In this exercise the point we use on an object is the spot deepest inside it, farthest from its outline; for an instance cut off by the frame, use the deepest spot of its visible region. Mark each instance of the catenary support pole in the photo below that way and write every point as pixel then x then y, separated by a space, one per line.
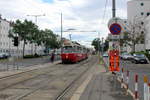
pixel 113 8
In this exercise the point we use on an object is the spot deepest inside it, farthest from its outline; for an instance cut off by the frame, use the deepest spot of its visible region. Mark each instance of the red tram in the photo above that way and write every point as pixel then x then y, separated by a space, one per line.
pixel 73 52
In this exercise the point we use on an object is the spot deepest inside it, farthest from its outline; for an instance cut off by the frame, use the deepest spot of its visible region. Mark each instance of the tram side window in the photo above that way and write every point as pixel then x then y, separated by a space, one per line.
pixel 79 50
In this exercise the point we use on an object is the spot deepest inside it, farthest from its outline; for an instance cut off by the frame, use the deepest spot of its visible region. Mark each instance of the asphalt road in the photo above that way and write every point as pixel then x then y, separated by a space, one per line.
pixel 13 65
pixel 139 69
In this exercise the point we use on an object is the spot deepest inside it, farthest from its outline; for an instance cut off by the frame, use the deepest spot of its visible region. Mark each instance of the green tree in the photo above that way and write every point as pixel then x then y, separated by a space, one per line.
pixel 96 43
pixel 131 39
pixel 49 39
pixel 24 30
pixel 106 45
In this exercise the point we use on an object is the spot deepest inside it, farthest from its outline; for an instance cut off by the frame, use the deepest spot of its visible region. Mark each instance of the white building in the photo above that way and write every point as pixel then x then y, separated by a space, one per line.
pixel 137 12
pixel 6 43
pixel 138 9
pixel 147 27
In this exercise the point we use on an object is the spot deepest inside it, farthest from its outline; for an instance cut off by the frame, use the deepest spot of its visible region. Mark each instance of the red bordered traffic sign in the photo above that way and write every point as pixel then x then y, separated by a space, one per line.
pixel 115 29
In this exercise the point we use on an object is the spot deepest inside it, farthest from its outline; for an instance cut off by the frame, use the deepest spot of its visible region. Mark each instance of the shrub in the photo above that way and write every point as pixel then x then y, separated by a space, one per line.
pixel 31 56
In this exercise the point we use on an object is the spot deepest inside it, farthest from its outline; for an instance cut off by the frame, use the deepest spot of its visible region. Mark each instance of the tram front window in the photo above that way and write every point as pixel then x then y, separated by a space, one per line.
pixel 68 49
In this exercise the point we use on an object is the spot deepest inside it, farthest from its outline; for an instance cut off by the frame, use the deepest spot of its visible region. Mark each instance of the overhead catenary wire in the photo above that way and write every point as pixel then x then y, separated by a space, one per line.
pixel 104 13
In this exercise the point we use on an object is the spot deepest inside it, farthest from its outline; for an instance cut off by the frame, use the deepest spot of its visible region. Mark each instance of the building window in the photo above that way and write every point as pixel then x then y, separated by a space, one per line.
pixel 125 21
pixel 142 32
pixel 142 23
pixel 148 13
pixel 142 4
pixel 142 13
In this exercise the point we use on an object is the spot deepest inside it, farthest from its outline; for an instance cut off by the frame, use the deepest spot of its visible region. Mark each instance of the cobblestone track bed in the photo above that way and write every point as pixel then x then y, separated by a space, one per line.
pixel 41 80
pixel 21 77
pixel 66 89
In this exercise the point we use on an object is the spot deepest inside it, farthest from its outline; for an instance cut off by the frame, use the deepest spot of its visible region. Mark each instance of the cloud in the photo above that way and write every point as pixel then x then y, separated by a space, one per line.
pixel 78 14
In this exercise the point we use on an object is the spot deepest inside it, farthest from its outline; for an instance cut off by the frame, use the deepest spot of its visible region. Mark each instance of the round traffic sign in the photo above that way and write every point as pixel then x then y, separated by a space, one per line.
pixel 115 29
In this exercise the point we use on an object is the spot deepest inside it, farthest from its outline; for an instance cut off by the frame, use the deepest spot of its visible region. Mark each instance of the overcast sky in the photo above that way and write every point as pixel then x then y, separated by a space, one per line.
pixel 86 15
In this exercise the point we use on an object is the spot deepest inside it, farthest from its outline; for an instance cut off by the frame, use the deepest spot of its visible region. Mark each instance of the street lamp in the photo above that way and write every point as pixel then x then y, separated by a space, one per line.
pixel 36 16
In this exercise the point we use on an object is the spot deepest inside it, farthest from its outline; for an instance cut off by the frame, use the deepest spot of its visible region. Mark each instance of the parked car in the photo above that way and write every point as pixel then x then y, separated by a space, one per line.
pixel 127 56
pixel 139 58
pixel 105 55
pixel 1 55
pixel 4 55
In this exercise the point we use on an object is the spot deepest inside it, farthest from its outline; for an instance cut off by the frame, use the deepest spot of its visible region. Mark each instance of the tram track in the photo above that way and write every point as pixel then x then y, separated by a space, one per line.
pixel 42 85
pixel 61 95
pixel 54 78
pixel 24 76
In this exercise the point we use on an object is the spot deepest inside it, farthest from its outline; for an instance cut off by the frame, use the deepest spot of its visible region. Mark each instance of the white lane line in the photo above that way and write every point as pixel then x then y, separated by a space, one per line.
pixel 80 90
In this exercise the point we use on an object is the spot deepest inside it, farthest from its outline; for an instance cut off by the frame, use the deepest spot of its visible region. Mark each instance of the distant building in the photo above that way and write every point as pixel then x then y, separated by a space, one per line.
pixel 6 43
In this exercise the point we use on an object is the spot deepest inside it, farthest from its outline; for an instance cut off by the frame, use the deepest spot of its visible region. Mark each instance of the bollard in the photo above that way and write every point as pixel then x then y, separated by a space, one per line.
pixel 145 88
pixel 122 78
pixel 127 81
pixel 148 91
pixel 136 87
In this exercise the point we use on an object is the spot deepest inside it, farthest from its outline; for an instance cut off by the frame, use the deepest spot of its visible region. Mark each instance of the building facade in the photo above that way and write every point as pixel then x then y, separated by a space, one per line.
pixel 147 27
pixel 137 13
pixel 7 46
pixel 137 9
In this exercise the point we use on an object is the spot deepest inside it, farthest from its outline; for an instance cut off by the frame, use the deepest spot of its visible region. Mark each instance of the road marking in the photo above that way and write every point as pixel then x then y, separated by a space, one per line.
pixel 80 90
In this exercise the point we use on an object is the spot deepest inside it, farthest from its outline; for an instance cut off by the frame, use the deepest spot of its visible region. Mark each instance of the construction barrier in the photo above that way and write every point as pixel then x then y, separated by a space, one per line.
pixel 114 60
pixel 122 78
pixel 136 84
pixel 136 87
pixel 127 80
pixel 146 92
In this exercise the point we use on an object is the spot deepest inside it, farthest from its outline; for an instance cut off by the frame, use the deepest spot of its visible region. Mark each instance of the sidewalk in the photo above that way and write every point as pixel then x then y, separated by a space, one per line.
pixel 102 86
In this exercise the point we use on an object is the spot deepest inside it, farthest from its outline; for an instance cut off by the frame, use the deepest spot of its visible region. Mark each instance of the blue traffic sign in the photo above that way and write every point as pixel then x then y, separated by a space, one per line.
pixel 115 29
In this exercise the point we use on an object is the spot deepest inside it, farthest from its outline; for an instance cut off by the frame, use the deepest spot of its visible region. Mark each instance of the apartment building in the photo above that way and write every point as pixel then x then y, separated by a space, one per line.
pixel 137 13
pixel 6 43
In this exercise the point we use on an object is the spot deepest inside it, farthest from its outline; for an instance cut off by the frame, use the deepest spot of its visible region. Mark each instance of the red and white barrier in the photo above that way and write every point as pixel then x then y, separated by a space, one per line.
pixel 127 78
pixel 146 93
pixel 136 87
pixel 122 78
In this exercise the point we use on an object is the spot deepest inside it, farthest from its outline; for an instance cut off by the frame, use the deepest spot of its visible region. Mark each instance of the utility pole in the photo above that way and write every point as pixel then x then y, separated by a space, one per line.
pixel 113 8
pixel 61 34
pixel 98 44
pixel 36 16
pixel 102 45
pixel 70 37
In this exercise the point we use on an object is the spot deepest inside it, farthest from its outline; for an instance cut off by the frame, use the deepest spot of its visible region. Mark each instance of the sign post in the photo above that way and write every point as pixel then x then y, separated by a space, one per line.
pixel 114 59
